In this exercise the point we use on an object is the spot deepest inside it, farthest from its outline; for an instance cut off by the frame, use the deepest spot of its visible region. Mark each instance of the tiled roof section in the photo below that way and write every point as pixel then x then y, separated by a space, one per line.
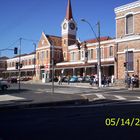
pixel 101 39
pixel 69 11
pixel 24 54
pixel 54 40
pixel 4 58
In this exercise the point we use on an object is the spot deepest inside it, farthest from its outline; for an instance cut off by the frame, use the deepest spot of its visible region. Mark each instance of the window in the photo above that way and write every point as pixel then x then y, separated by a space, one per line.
pixel 129 24
pixel 129 59
pixel 82 55
pixel 91 54
pixel 110 51
pixel 97 52
pixel 47 54
pixel 79 55
pixel 29 61
pixel 42 55
pixel 37 55
pixel 102 53
pixel 64 55
pixel 73 56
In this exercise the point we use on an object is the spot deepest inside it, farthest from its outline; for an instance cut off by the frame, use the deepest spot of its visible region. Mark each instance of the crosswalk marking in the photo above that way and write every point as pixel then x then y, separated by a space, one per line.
pixel 120 97
pixel 9 98
pixel 138 98
pixel 100 96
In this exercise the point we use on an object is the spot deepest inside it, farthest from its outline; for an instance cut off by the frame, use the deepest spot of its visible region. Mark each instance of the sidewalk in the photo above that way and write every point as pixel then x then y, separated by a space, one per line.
pixel 80 85
pixel 12 99
pixel 27 99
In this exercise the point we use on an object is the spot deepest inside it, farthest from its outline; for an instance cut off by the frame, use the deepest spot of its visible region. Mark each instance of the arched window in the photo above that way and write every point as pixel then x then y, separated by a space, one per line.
pixel 129 24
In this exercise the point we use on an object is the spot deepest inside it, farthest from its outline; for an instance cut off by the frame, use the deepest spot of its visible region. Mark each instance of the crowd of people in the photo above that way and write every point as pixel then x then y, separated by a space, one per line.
pixel 132 81
pixel 106 80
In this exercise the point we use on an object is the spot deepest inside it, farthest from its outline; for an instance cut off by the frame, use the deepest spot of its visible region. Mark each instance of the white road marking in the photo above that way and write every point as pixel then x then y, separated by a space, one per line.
pixel 137 100
pixel 120 97
pixel 9 97
pixel 100 96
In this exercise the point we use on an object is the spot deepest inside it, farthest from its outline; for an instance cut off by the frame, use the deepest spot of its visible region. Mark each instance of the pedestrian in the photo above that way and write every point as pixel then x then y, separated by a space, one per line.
pixel 133 81
pixel 68 79
pixel 128 81
pixel 112 79
pixel 91 80
pixel 59 80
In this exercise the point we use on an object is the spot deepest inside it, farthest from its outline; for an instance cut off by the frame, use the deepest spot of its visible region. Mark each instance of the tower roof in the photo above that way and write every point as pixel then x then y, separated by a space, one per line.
pixel 69 11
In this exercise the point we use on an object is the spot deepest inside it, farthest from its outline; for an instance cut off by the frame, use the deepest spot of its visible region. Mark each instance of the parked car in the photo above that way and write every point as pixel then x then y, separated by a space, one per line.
pixel 86 79
pixel 4 84
pixel 73 79
pixel 12 79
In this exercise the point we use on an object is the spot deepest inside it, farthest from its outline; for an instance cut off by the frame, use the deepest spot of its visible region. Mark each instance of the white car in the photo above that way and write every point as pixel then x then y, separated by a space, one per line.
pixel 4 84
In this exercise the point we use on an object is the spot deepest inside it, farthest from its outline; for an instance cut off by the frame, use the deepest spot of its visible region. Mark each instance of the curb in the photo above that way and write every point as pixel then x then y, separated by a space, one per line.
pixel 43 104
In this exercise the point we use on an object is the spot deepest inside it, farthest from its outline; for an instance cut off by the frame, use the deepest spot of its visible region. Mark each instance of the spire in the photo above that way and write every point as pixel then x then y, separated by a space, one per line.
pixel 69 11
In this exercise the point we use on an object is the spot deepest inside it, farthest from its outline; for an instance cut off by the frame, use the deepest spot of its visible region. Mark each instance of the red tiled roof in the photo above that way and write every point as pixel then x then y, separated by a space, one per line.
pixel 57 41
pixel 101 39
pixel 24 54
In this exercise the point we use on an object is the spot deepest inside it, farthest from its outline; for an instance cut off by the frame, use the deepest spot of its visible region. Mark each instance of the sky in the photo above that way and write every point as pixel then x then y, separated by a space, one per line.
pixel 27 19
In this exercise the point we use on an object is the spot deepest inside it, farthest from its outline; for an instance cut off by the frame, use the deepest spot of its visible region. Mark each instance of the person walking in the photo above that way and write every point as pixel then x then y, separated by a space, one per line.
pixel 133 81
pixel 128 81
pixel 59 80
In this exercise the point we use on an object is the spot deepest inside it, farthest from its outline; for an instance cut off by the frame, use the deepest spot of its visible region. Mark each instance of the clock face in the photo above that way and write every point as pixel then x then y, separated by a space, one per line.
pixel 72 26
pixel 64 25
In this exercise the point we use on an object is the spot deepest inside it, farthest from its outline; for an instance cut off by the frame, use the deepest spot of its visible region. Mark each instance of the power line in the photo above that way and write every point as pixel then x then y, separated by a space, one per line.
pixel 30 40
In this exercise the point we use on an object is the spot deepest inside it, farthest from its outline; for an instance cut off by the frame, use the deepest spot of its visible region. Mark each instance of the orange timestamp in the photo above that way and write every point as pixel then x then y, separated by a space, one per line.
pixel 122 122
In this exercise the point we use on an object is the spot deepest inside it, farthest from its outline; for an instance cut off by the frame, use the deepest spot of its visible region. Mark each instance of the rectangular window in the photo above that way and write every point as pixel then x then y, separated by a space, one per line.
pixel 79 55
pixel 129 24
pixel 110 51
pixel 91 53
pixel 82 55
pixel 73 56
pixel 102 52
pixel 47 54
pixel 129 59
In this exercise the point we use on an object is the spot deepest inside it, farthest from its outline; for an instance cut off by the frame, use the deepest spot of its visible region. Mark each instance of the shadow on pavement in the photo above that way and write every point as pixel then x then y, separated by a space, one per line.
pixel 13 91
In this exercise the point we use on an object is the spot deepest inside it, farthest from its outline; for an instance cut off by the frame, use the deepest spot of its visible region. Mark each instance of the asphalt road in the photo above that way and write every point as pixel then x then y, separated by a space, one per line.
pixel 89 93
pixel 80 122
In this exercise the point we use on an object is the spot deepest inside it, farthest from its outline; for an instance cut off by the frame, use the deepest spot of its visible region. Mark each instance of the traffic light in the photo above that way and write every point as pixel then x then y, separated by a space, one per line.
pixel 15 50
pixel 95 66
pixel 16 65
pixel 20 65
pixel 124 64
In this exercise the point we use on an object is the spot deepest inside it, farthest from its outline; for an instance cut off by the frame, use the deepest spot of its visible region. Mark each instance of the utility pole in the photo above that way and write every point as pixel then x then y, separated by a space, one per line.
pixel 98 53
pixel 52 58
pixel 99 57
pixel 34 57
pixel 19 63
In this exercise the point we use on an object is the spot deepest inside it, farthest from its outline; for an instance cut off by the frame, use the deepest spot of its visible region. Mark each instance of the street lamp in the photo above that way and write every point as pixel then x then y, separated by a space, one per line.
pixel 99 51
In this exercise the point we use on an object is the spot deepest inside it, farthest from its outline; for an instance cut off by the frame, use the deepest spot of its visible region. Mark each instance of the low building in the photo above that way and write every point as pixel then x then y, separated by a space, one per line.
pixel 3 65
pixel 26 62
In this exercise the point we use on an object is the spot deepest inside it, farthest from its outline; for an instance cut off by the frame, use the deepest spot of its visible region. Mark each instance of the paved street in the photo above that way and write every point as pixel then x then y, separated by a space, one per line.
pixel 70 122
pixel 70 116
pixel 42 93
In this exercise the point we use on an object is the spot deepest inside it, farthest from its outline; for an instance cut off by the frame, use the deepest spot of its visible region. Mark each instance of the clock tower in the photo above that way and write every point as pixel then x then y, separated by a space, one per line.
pixel 69 29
